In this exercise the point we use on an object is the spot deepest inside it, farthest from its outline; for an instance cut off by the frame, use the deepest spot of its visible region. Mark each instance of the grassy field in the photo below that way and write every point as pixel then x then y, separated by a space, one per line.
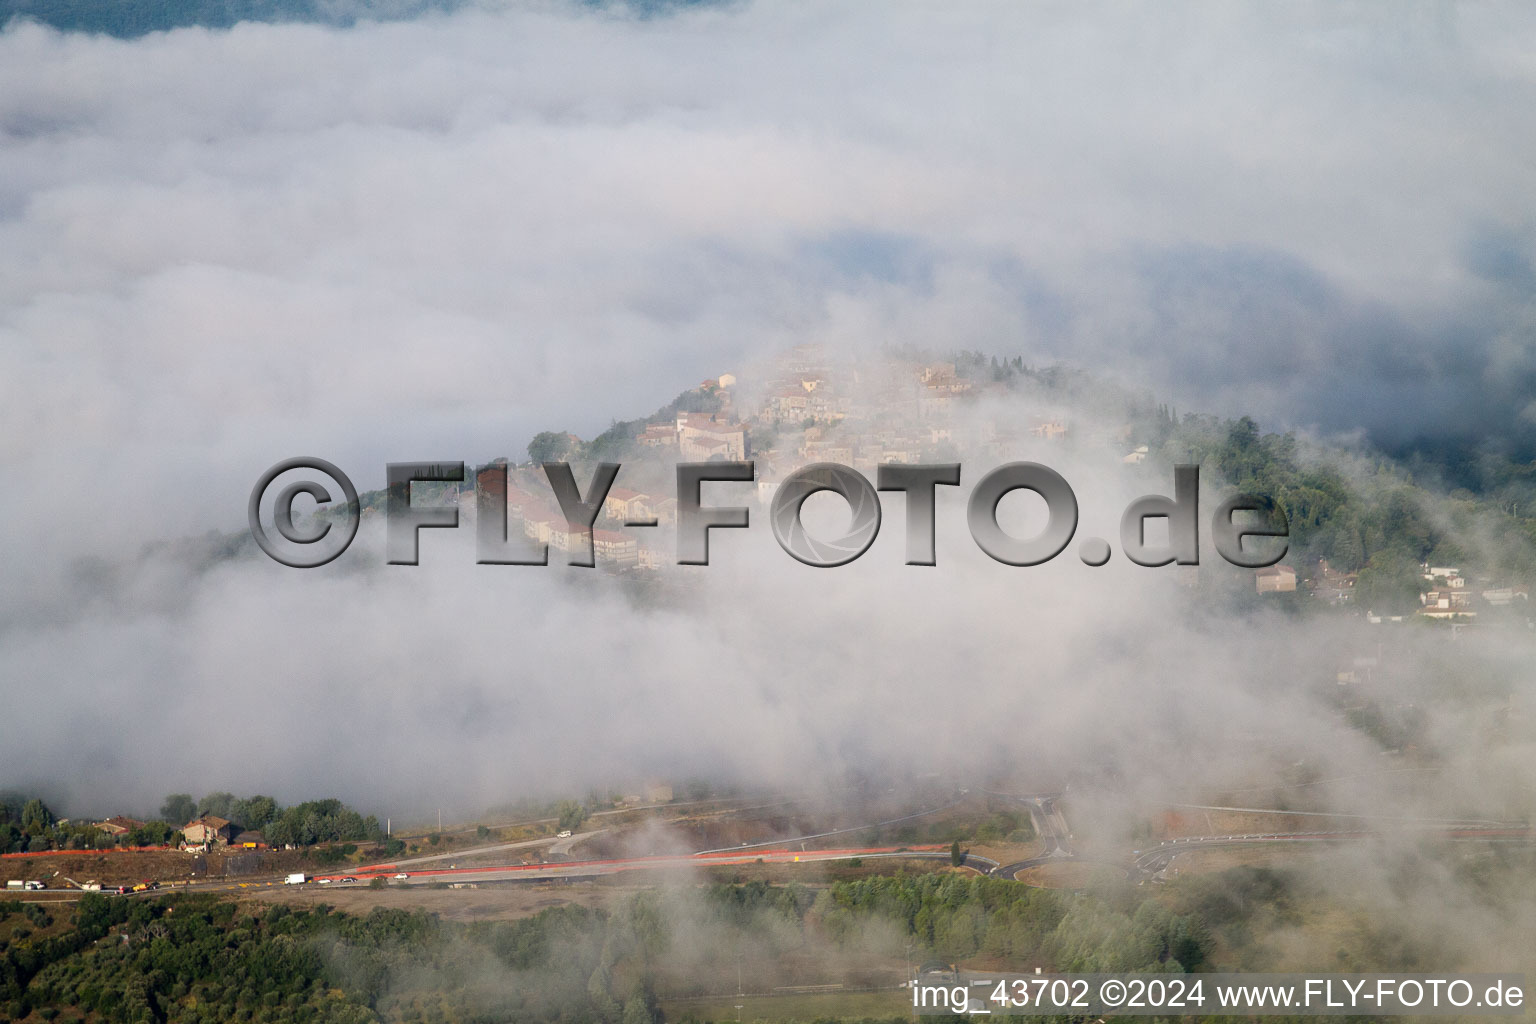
pixel 490 903
pixel 791 1006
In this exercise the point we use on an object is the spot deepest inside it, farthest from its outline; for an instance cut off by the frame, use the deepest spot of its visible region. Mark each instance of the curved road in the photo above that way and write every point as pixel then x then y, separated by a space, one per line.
pixel 1050 825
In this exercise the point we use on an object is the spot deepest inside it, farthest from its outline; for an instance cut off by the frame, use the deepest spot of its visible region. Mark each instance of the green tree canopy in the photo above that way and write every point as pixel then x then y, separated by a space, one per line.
pixel 178 808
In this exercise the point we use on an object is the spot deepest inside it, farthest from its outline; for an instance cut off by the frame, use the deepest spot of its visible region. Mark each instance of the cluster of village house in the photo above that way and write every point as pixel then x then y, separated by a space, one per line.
pixel 804 416
pixel 203 832
pixel 809 412
pixel 1448 594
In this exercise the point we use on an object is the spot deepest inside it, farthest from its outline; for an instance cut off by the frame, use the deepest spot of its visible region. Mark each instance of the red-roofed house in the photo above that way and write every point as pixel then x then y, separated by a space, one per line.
pixel 613 547
pixel 624 504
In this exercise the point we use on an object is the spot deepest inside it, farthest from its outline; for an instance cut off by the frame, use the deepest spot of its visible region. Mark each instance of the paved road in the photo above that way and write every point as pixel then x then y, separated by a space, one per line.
pixel 1050 825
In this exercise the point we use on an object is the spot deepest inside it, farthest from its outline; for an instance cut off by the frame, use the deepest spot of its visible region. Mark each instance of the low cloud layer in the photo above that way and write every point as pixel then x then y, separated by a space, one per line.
pixel 432 238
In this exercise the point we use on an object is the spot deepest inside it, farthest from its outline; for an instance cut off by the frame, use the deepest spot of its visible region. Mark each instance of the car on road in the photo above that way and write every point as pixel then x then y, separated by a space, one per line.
pixel 563 834
pixel 349 878
pixel 325 881
pixel 403 874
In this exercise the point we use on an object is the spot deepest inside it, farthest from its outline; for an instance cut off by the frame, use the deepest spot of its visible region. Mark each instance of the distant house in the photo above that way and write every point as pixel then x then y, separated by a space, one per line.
pixel 702 437
pixel 539 523
pixel 1049 429
pixel 1446 603
pixel 612 547
pixel 1275 579
pixel 565 536
pixel 623 503
pixel 249 839
pixel 658 435
pixel 658 793
pixel 118 825
pixel 208 830
pixel 648 558
pixel 787 405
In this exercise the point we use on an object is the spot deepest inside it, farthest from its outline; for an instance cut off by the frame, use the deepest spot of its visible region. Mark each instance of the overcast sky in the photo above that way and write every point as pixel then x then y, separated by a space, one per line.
pixel 428 239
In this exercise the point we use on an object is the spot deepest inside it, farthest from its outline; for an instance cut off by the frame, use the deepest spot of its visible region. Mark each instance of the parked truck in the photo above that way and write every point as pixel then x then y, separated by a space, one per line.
pixel 297 878
pixel 17 883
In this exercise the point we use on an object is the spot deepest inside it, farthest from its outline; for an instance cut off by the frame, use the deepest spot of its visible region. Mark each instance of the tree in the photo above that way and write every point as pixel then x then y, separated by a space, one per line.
pixel 636 1012
pixel 178 809
pixel 36 817
pixel 956 857
pixel 279 834
pixel 220 805
pixel 572 814
pixel 597 991
pixel 615 442
pixel 311 829
pixel 151 833
pixel 548 446
pixel 1390 583
pixel 256 812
